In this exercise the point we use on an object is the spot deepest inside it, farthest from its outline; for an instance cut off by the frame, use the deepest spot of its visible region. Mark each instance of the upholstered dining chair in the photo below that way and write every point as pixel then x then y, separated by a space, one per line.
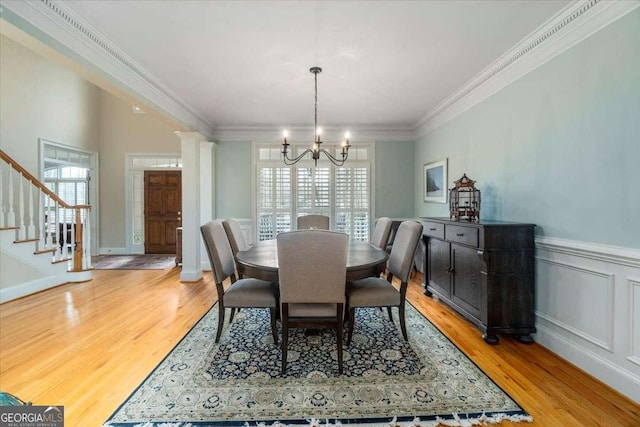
pixel 312 269
pixel 381 232
pixel 243 293
pixel 378 292
pixel 235 236
pixel 319 222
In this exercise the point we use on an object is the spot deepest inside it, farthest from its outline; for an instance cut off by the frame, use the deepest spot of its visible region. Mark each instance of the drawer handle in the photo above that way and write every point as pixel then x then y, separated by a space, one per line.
pixel 459 234
pixel 432 229
pixel 450 270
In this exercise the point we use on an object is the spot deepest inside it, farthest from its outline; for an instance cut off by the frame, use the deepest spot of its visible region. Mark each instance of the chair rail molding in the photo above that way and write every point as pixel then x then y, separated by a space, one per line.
pixel 612 254
pixel 573 24
pixel 588 308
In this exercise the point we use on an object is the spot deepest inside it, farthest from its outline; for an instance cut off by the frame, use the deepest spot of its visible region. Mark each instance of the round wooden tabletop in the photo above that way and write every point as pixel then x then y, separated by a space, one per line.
pixel 261 261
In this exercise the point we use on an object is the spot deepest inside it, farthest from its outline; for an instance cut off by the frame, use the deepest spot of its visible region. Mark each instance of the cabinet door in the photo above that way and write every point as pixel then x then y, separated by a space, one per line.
pixel 438 263
pixel 468 283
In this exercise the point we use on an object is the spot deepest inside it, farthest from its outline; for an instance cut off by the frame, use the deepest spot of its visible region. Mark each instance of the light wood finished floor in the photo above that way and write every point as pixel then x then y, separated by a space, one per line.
pixel 87 346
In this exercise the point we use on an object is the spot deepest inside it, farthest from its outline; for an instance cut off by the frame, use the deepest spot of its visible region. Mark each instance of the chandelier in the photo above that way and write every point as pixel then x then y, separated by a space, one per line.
pixel 316 150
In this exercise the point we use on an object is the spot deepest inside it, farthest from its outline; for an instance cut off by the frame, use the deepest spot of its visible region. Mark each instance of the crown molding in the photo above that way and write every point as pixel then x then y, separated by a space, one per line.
pixel 570 26
pixel 56 25
pixel 300 133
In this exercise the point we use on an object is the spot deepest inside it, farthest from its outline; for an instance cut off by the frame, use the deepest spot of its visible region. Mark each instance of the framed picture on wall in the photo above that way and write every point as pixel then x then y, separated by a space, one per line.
pixel 435 182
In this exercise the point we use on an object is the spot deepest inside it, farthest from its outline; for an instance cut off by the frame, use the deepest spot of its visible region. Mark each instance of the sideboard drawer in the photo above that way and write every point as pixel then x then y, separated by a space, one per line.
pixel 464 235
pixel 433 229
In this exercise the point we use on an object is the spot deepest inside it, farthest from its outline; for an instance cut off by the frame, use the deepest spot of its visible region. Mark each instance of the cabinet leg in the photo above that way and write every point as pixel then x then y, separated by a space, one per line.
pixel 490 339
pixel 524 339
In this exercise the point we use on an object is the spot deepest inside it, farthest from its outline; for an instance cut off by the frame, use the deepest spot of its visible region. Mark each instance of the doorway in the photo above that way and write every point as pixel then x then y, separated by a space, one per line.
pixel 162 210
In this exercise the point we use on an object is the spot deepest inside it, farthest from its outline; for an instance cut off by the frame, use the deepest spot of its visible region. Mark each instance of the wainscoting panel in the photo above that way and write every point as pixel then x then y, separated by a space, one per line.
pixel 591 295
pixel 634 320
pixel 588 309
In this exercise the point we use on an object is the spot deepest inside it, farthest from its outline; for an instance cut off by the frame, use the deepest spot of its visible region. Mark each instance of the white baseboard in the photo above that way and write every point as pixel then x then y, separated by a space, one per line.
pixel 113 251
pixel 588 308
pixel 28 288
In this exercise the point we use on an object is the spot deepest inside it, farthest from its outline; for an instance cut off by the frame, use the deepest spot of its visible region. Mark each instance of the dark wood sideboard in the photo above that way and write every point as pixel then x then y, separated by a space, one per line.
pixel 485 271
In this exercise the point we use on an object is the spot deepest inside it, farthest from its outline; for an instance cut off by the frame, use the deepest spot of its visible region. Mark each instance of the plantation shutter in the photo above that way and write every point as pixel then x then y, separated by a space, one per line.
pixel 284 193
pixel 274 201
pixel 313 191
pixel 352 196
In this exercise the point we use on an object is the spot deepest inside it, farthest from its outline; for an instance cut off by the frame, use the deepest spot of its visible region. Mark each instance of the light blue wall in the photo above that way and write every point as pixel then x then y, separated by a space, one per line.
pixel 394 179
pixel 560 147
pixel 233 180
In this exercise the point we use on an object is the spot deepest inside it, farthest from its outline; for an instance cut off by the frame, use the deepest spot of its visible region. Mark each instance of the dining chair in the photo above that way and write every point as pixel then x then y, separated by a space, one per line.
pixel 319 222
pixel 235 235
pixel 243 293
pixel 381 232
pixel 378 292
pixel 312 272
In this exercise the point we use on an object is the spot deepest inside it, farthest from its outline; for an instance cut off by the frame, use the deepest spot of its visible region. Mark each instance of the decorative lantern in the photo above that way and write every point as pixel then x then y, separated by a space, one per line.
pixel 464 200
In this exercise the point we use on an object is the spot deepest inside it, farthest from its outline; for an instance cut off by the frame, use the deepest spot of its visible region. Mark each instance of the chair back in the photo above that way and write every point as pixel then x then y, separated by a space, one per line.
pixel 403 250
pixel 319 222
pixel 235 235
pixel 312 266
pixel 219 250
pixel 381 232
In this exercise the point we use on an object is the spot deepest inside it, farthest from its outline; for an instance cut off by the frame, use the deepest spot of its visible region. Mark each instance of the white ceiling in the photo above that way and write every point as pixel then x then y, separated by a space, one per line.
pixel 246 63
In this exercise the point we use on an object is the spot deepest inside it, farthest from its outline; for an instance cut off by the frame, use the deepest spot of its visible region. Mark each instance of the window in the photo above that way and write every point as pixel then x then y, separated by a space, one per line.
pixel 69 172
pixel 287 192
pixel 71 184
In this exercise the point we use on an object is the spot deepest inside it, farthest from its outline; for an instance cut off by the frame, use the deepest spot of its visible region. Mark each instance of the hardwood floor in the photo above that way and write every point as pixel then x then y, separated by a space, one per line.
pixel 87 346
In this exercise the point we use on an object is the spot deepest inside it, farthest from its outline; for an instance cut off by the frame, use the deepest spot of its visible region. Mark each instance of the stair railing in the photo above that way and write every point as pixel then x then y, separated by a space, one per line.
pixel 40 215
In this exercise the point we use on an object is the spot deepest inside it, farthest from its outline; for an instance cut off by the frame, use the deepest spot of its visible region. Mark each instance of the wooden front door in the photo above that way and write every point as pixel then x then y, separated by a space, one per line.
pixel 162 210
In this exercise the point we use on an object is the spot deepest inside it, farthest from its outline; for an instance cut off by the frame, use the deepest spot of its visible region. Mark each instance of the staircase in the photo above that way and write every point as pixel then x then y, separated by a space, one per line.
pixel 44 241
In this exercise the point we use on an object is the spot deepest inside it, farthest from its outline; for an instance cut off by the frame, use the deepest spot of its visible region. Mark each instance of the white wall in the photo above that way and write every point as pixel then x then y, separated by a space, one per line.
pixel 39 99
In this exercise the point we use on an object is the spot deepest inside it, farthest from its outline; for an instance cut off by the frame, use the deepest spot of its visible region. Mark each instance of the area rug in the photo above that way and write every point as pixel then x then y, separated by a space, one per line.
pixel 133 262
pixel 386 380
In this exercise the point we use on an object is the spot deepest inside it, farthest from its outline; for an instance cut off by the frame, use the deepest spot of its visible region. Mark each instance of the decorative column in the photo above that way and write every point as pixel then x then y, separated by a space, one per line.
pixel 207 193
pixel 191 214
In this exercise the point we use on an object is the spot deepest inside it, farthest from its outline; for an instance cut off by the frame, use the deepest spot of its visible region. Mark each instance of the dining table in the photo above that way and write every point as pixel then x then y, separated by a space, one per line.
pixel 260 261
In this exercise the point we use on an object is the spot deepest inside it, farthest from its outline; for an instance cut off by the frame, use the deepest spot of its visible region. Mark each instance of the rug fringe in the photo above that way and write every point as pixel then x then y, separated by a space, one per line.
pixel 456 421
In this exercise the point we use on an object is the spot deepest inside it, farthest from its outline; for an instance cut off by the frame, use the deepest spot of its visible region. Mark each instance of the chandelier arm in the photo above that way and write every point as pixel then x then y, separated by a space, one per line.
pixel 289 162
pixel 333 159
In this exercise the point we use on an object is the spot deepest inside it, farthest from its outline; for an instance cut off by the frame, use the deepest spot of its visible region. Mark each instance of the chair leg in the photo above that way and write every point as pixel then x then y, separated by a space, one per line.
pixel 402 325
pixel 220 321
pixel 233 312
pixel 272 312
pixel 339 315
pixel 390 315
pixel 285 336
pixel 352 316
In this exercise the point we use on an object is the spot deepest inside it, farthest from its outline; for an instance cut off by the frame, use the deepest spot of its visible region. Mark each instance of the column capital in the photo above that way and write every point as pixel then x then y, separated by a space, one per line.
pixel 191 136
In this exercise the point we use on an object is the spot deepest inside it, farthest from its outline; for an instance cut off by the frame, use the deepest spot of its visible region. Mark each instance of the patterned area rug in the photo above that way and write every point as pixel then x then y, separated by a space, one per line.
pixel 133 262
pixel 237 382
